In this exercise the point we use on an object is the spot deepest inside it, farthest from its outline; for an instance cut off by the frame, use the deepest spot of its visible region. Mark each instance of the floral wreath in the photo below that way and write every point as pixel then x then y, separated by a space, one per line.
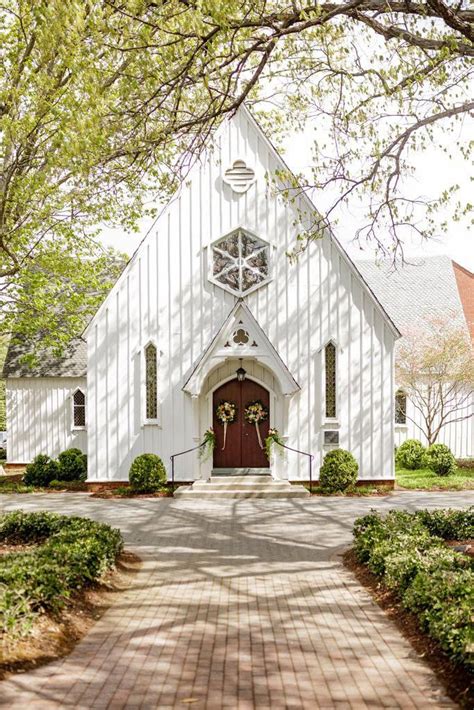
pixel 256 412
pixel 226 413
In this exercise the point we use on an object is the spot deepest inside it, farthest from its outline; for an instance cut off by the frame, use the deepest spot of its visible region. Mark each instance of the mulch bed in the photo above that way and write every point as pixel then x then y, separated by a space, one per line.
pixel 455 678
pixel 54 636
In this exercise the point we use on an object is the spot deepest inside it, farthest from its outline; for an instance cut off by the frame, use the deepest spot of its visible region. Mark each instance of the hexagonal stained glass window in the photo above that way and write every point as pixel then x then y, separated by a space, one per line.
pixel 240 262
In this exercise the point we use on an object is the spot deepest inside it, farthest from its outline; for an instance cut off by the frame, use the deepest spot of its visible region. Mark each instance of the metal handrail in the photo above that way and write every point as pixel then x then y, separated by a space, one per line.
pixel 311 458
pixel 181 453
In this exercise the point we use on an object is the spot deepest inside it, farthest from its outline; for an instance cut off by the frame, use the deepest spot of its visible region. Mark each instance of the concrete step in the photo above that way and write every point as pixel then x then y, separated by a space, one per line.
pixel 238 488
pixel 237 482
pixel 241 472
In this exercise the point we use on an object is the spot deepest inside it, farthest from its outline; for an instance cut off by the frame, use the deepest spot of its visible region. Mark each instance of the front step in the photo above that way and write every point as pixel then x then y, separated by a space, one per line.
pixel 241 472
pixel 241 487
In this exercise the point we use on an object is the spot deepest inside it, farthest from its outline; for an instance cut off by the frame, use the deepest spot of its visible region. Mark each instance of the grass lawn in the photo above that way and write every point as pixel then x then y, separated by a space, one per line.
pixel 425 479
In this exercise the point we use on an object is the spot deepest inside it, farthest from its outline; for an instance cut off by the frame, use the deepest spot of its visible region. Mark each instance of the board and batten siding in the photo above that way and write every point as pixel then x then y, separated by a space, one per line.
pixel 39 416
pixel 165 297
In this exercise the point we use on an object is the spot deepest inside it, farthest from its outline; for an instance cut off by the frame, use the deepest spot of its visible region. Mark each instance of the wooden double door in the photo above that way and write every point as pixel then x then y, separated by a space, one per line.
pixel 242 448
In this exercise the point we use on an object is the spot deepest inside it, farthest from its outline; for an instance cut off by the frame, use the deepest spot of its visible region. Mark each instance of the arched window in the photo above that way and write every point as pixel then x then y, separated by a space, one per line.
pixel 400 407
pixel 330 372
pixel 79 408
pixel 151 385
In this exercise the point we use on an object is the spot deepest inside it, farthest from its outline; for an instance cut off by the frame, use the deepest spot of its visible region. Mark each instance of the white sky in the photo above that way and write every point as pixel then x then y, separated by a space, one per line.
pixel 435 171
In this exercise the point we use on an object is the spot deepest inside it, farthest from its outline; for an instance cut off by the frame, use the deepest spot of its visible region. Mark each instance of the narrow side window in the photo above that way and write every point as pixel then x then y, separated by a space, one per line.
pixel 79 408
pixel 400 407
pixel 330 371
pixel 151 386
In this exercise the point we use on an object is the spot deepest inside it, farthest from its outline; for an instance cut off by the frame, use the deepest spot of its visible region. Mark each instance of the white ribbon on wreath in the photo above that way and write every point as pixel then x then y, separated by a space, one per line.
pixel 226 413
pixel 256 412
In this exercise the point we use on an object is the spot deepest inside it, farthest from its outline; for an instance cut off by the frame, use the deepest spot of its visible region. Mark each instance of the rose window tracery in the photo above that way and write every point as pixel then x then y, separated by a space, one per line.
pixel 240 262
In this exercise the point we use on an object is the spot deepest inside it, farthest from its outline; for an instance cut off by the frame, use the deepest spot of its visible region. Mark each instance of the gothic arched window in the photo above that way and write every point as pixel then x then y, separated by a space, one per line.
pixel 79 408
pixel 400 407
pixel 151 382
pixel 330 374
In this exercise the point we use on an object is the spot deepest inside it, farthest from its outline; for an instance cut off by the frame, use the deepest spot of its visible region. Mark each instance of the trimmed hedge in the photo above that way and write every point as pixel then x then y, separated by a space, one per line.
pixel 410 455
pixel 147 473
pixel 432 580
pixel 71 553
pixel 338 472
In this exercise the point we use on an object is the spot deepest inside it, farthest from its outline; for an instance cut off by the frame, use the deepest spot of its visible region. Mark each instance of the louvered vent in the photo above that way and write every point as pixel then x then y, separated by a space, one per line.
pixel 239 177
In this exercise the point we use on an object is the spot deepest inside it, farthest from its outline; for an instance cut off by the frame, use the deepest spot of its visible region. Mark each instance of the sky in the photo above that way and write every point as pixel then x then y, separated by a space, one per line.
pixel 435 171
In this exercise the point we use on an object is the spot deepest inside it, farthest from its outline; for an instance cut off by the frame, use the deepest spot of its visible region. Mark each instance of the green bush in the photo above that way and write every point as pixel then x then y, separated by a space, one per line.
pixel 147 473
pixel 410 454
pixel 438 458
pixel 431 580
pixel 41 471
pixel 71 553
pixel 449 524
pixel 72 465
pixel 338 472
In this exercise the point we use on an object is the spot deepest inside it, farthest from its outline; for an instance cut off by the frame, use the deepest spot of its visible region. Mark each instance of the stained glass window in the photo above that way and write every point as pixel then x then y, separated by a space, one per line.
pixel 79 408
pixel 151 384
pixel 400 407
pixel 240 262
pixel 330 368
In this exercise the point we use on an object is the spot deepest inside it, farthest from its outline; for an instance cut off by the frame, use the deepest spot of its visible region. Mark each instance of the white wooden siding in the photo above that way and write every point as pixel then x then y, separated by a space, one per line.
pixel 459 436
pixel 39 417
pixel 164 297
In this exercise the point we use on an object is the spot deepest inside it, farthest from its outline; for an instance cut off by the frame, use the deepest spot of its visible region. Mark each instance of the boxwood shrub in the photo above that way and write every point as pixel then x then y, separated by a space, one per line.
pixel 72 465
pixel 41 471
pixel 410 454
pixel 338 472
pixel 71 552
pixel 432 580
pixel 147 473
pixel 438 458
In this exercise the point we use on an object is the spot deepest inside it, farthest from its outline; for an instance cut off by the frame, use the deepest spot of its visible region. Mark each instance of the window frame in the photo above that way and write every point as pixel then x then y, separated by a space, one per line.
pixel 330 418
pixel 239 293
pixel 78 427
pixel 146 420
pixel 399 393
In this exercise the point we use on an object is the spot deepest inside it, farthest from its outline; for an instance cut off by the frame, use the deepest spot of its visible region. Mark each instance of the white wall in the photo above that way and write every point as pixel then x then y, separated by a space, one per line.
pixel 459 436
pixel 39 417
pixel 164 296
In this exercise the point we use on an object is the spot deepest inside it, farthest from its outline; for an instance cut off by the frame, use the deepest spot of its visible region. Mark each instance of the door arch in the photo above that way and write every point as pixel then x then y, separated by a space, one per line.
pixel 242 448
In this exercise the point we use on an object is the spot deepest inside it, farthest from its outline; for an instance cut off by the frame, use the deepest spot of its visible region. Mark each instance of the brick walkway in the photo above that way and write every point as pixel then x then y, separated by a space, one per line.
pixel 238 605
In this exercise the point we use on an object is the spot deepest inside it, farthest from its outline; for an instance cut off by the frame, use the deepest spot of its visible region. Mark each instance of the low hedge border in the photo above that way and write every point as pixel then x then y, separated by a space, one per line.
pixel 69 553
pixel 408 552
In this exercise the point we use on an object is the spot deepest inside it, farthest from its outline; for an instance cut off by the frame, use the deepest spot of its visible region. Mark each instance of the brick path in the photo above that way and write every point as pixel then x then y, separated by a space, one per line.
pixel 238 605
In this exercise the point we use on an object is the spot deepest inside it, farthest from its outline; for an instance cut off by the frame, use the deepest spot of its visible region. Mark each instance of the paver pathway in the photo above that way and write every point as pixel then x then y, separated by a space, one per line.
pixel 239 604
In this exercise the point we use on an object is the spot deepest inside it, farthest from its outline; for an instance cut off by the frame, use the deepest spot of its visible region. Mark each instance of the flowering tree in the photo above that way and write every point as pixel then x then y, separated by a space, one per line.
pixel 435 368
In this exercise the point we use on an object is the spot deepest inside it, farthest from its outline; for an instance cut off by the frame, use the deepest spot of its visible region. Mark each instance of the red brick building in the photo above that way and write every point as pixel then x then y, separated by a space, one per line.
pixel 465 282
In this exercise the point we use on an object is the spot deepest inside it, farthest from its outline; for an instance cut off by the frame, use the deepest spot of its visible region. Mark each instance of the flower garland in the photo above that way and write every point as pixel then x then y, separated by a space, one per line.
pixel 226 413
pixel 208 444
pixel 274 437
pixel 256 412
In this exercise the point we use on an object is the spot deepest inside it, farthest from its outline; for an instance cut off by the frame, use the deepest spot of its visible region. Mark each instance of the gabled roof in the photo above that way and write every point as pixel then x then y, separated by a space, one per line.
pixel 421 288
pixel 221 348
pixel 73 363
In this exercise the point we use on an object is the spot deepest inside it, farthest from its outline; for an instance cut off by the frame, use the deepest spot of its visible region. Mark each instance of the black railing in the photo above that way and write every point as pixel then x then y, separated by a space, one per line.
pixel 303 453
pixel 181 453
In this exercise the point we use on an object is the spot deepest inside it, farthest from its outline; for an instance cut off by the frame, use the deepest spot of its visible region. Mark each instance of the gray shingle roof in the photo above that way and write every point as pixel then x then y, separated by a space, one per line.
pixel 73 362
pixel 424 287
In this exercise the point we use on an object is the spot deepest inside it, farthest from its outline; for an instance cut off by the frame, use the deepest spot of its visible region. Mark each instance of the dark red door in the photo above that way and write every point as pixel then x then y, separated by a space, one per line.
pixel 242 449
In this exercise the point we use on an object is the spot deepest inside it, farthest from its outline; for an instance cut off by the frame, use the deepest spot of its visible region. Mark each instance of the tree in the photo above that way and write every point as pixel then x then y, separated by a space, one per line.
pixel 435 368
pixel 103 105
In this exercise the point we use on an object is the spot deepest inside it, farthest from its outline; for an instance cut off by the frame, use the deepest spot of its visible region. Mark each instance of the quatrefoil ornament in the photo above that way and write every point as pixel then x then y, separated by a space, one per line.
pixel 239 176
